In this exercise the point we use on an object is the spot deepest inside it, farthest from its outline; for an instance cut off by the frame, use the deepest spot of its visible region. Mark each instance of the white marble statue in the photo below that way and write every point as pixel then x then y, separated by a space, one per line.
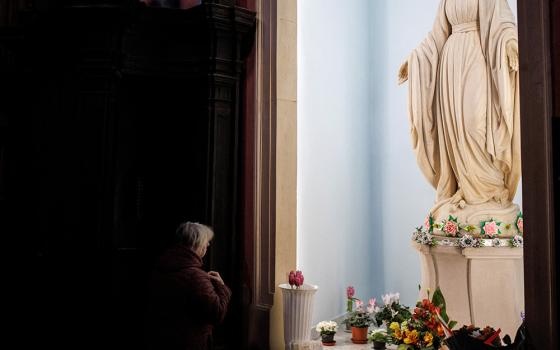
pixel 464 110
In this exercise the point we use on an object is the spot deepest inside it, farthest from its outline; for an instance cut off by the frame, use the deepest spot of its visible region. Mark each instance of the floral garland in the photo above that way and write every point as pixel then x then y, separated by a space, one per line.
pixel 464 236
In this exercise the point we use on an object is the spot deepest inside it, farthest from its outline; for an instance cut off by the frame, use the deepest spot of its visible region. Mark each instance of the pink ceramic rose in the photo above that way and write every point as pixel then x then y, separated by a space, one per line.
pixel 520 224
pixel 427 223
pixel 491 228
pixel 451 228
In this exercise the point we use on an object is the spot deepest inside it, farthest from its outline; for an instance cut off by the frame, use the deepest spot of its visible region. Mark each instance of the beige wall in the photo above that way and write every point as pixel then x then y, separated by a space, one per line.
pixel 286 159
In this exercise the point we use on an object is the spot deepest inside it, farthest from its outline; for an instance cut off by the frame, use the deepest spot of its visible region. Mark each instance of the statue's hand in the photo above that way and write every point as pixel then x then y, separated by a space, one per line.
pixel 403 72
pixel 512 53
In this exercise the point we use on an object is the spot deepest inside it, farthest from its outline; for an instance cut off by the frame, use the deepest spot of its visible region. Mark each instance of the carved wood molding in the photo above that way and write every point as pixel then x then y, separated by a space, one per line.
pixel 536 149
pixel 9 11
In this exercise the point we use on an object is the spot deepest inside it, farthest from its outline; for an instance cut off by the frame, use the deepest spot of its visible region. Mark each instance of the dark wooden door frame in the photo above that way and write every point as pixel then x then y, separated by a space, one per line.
pixel 259 174
pixel 537 155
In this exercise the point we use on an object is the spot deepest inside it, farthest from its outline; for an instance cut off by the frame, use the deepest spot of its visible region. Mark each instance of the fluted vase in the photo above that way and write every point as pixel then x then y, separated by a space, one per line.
pixel 298 309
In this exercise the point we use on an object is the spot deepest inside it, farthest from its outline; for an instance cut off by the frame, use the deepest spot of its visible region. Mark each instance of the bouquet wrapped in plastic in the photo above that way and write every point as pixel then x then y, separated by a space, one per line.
pixel 473 338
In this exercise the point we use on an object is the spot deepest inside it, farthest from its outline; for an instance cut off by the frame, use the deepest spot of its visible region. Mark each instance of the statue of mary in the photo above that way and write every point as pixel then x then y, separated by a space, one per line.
pixel 464 111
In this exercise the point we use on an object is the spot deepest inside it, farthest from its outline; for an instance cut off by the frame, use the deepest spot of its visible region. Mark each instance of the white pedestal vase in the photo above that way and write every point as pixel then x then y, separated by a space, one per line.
pixel 482 286
pixel 298 309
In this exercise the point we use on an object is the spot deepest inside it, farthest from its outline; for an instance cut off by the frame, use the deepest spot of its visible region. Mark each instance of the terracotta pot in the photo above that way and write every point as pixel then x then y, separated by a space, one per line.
pixel 359 335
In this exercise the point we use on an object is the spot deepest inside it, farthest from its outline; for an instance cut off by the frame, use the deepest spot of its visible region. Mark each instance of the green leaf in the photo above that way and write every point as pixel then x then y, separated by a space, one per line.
pixel 405 347
pixel 439 301
pixel 451 324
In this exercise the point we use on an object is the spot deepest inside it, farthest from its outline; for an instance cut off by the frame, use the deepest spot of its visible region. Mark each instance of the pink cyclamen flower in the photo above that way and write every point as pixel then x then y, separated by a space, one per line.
pixel 491 228
pixel 520 224
pixel 292 278
pixel 350 292
pixel 450 228
pixel 359 304
pixel 371 305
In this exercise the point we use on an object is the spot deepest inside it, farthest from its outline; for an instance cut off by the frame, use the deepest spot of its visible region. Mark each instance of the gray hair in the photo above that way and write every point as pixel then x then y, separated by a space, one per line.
pixel 193 234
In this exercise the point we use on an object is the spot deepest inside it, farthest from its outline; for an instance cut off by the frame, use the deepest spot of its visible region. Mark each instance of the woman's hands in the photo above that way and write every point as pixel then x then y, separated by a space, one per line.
pixel 216 277
pixel 403 72
pixel 512 53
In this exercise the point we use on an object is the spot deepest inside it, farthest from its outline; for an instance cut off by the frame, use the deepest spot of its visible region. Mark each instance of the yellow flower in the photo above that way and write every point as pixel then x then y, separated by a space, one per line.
pixel 411 337
pixel 397 334
pixel 396 328
pixel 428 338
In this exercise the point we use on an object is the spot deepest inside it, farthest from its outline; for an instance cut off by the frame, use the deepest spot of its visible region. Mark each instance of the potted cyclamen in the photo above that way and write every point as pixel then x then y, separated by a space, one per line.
pixel 379 337
pixel 359 321
pixel 327 329
pixel 391 311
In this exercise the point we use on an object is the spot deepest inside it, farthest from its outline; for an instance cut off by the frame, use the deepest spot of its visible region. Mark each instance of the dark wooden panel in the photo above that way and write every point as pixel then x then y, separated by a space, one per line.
pixel 556 177
pixel 125 122
pixel 538 200
pixel 555 51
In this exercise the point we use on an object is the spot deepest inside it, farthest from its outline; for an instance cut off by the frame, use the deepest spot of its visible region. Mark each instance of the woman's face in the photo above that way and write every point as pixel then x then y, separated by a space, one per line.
pixel 202 250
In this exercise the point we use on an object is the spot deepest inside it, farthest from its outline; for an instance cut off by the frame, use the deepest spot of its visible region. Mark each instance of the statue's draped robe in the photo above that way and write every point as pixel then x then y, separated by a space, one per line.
pixel 464 103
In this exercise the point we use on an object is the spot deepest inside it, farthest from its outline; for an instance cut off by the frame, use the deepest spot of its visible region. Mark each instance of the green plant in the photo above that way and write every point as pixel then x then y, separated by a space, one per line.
pixel 359 319
pixel 393 312
pixel 378 335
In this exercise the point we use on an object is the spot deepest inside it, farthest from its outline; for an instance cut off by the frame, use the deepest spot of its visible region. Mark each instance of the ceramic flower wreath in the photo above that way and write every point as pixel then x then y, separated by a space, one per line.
pixel 451 227
pixel 465 241
pixel 461 235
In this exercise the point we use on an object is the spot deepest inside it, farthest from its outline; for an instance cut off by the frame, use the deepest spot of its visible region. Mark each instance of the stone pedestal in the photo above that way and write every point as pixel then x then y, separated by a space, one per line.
pixel 482 286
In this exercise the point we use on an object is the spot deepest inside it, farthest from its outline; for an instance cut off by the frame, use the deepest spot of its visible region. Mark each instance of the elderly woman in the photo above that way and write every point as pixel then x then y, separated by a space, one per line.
pixel 186 301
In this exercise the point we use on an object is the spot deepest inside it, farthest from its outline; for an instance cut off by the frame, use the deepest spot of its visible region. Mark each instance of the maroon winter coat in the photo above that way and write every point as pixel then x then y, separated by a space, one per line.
pixel 185 302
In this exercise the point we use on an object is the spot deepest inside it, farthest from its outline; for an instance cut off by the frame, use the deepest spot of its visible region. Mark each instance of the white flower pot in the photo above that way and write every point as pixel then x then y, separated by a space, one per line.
pixel 298 309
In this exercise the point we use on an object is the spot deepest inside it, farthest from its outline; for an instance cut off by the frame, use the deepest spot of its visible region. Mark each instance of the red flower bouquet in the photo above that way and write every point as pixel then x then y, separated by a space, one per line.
pixel 424 330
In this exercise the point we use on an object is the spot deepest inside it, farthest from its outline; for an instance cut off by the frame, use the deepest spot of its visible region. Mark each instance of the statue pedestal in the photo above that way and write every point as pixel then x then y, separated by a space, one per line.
pixel 481 286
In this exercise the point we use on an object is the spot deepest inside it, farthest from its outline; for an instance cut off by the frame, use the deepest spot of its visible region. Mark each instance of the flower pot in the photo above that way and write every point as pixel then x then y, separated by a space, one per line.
pixel 359 335
pixel 298 308
pixel 328 339
pixel 347 327
pixel 378 345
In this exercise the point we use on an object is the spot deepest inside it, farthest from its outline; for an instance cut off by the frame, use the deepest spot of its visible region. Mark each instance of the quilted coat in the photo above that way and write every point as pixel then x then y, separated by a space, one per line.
pixel 185 303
